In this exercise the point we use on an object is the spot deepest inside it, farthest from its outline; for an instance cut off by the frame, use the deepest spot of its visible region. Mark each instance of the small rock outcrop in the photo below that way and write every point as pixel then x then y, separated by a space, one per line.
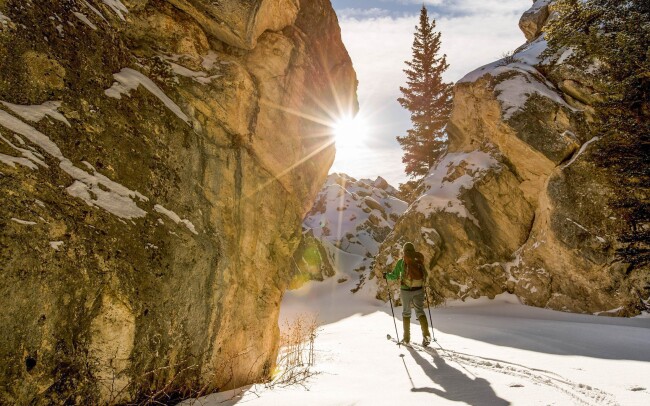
pixel 519 203
pixel 155 168
pixel 532 21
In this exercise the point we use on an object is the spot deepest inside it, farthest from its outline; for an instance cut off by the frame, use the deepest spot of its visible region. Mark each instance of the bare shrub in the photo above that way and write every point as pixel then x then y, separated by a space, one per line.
pixel 293 367
pixel 180 387
pixel 507 58
pixel 176 386
pixel 296 354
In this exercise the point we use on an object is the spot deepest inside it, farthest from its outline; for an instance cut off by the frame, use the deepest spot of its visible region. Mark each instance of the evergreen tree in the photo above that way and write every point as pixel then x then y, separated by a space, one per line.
pixel 612 37
pixel 428 99
pixel 408 191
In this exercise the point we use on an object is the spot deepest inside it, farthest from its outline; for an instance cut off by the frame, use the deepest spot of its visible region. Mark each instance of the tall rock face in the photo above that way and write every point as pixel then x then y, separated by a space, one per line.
pixel 156 162
pixel 520 204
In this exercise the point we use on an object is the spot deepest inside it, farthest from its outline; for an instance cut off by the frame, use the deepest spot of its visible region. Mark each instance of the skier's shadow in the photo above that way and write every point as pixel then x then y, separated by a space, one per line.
pixel 456 386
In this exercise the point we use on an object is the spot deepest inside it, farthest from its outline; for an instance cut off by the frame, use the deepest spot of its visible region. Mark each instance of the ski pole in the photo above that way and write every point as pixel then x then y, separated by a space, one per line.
pixel 390 299
pixel 426 296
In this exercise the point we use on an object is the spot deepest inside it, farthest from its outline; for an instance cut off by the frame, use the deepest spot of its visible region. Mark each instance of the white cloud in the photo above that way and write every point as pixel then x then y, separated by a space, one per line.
pixel 471 7
pixel 349 13
pixel 379 45
pixel 418 2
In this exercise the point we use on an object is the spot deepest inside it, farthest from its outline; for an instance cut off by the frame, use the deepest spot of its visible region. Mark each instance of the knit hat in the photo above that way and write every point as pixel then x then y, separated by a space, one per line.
pixel 408 247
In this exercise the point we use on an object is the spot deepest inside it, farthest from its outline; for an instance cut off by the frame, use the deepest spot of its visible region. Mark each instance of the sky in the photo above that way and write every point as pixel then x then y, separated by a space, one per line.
pixel 378 35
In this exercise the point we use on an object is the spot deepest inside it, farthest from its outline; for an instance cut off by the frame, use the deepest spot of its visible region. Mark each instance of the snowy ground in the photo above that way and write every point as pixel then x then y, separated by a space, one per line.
pixel 493 352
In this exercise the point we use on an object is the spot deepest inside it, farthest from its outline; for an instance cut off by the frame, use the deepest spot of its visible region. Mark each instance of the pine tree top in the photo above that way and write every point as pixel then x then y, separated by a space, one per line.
pixel 427 97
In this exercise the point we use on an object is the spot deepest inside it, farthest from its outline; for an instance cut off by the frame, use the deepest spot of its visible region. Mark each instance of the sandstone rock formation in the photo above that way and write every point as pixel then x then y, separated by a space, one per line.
pixel 519 204
pixel 156 162
pixel 350 216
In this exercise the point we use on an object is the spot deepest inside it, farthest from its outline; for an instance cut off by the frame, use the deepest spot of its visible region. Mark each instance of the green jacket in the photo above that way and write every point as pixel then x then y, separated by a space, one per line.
pixel 398 273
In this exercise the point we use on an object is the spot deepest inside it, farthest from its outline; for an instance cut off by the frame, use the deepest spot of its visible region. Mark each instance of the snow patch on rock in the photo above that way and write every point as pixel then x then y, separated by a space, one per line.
pixel 43 141
pixel 129 79
pixel 115 203
pixel 519 79
pixel 56 245
pixel 84 19
pixel 427 233
pixel 198 76
pixel 175 218
pixel 23 222
pixel 111 196
pixel 566 54
pixel 95 10
pixel 582 149
pixel 28 159
pixel 453 174
pixel 12 161
pixel 38 112
pixel 117 7
pixel 514 92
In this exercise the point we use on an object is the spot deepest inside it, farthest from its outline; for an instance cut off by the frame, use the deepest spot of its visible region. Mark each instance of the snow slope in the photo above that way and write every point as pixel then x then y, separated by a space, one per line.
pixel 493 352
pixel 350 218
pixel 355 215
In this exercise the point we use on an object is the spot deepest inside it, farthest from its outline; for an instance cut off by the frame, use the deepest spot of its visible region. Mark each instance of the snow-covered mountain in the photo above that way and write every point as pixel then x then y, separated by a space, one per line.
pixel 349 215
pixel 354 215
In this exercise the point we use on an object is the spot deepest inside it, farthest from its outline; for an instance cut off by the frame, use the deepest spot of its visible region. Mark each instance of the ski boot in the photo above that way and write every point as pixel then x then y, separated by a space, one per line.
pixel 407 331
pixel 426 340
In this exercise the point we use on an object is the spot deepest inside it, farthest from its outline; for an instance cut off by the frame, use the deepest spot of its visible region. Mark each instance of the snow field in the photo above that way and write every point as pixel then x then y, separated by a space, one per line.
pixel 494 352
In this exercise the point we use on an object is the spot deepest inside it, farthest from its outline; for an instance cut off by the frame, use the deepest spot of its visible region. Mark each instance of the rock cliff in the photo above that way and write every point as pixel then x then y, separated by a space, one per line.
pixel 156 162
pixel 519 203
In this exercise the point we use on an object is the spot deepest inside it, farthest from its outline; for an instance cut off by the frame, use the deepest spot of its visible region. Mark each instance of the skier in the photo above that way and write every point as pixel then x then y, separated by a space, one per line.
pixel 410 269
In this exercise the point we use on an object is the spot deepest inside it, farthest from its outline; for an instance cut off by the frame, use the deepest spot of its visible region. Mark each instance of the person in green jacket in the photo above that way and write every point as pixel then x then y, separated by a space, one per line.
pixel 410 270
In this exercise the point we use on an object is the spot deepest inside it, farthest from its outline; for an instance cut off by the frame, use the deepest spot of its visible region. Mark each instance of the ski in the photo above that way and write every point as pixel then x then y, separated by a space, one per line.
pixel 415 346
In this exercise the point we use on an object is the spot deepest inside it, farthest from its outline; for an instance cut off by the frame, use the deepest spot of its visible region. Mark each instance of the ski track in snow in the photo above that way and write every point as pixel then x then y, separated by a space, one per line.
pixel 583 394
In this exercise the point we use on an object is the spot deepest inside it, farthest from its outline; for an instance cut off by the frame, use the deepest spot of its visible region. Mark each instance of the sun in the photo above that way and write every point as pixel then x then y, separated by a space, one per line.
pixel 350 130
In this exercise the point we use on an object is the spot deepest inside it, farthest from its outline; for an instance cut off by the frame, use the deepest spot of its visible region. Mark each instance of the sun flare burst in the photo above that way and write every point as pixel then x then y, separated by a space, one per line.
pixel 350 131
